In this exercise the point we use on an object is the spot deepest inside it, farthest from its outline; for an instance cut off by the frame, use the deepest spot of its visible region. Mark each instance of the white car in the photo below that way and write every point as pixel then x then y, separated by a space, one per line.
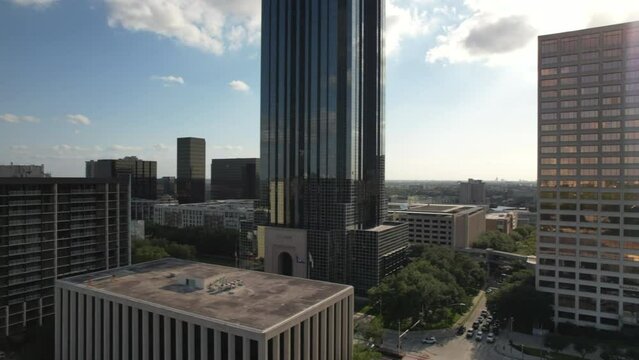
pixel 491 338
pixel 429 340
pixel 479 335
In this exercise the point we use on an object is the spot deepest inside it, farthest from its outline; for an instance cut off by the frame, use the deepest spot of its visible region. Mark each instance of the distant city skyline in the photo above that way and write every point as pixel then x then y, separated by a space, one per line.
pixel 107 79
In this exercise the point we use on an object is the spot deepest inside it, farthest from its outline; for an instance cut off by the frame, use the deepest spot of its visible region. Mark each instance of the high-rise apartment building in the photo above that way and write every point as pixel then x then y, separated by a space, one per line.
pixel 143 174
pixel 234 179
pixel 191 170
pixel 177 309
pixel 588 230
pixel 472 192
pixel 322 132
pixel 51 228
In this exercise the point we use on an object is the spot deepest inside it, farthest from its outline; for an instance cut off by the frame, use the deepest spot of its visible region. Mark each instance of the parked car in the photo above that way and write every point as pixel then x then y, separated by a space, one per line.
pixel 490 338
pixel 461 330
pixel 475 325
pixel 429 340
pixel 485 327
pixel 470 333
pixel 479 335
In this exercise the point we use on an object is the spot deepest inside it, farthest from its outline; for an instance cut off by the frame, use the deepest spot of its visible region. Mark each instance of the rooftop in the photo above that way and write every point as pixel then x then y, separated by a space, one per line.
pixel 254 300
pixel 441 209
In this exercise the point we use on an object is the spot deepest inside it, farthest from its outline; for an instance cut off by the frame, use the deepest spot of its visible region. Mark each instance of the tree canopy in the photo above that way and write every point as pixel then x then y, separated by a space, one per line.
pixel 521 241
pixel 209 241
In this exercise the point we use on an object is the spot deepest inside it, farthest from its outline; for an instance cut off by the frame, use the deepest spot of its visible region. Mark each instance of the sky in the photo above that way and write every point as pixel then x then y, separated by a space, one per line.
pixel 91 79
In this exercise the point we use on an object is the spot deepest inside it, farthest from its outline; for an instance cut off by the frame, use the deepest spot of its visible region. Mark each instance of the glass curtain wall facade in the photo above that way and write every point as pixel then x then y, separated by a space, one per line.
pixel 322 123
pixel 588 232
pixel 191 170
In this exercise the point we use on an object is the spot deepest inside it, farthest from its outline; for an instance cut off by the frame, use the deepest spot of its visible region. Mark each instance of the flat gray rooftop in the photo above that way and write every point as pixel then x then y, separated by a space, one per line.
pixel 262 301
pixel 440 208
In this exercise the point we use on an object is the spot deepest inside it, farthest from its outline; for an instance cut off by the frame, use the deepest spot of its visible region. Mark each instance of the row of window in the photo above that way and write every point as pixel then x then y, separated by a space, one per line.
pixel 590 149
pixel 592 67
pixel 589 172
pixel 566 104
pixel 589 219
pixel 585 265
pixel 588 42
pixel 605 160
pixel 585 230
pixel 589 289
pixel 588 125
pixel 591 90
pixel 588 183
pixel 569 252
pixel 587 303
pixel 603 243
pixel 630 76
pixel 590 137
pixel 631 52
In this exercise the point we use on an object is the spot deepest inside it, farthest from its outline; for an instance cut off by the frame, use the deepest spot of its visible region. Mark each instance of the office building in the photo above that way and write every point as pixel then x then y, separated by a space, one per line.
pixel 143 209
pixel 472 192
pixel 177 309
pixel 220 214
pixel 22 171
pixel 234 179
pixel 143 174
pixel 191 170
pixel 457 226
pixel 51 228
pixel 504 222
pixel 322 133
pixel 167 185
pixel 588 171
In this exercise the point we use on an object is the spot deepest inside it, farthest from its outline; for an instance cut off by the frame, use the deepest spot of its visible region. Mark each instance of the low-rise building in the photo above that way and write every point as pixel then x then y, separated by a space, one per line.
pixel 144 209
pixel 504 222
pixel 458 226
pixel 23 171
pixel 177 309
pixel 227 214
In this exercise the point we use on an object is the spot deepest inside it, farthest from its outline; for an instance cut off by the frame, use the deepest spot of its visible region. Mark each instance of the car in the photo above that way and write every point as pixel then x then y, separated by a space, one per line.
pixel 470 333
pixel 429 340
pixel 475 325
pixel 490 319
pixel 484 312
pixel 461 330
pixel 479 336
pixel 490 339
pixel 485 327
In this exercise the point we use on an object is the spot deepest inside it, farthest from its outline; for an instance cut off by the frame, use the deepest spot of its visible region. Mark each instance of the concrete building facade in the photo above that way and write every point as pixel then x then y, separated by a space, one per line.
pixel 504 222
pixel 458 226
pixel 176 309
pixel 191 170
pixel 227 214
pixel 51 228
pixel 588 171
pixel 143 209
pixel 23 171
pixel 472 192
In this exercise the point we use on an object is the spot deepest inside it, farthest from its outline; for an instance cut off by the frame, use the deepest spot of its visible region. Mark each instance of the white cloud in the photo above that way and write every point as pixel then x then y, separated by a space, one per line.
pixel 239 85
pixel 78 119
pixel 161 147
pixel 34 3
pixel 117 147
pixel 12 118
pixel 403 22
pixel 502 32
pixel 235 148
pixel 169 80
pixel 209 25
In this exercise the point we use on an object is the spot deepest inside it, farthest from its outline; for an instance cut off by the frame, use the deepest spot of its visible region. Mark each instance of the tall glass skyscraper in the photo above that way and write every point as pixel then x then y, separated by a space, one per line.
pixel 322 125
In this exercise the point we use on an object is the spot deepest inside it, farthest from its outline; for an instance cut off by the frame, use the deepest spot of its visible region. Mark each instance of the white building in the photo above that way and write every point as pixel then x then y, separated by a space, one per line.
pixel 176 309
pixel 225 214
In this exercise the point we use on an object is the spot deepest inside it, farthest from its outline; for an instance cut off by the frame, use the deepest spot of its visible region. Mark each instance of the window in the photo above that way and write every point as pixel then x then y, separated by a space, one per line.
pixel 568 149
pixel 610 112
pixel 586 303
pixel 632 99
pixel 589 126
pixel 568 45
pixel 549 116
pixel 549 82
pixel 548 150
pixel 589 149
pixel 631 147
pixel 631 111
pixel 569 58
pixel 612 39
pixel 632 75
pixel 549 94
pixel 610 125
pixel 552 127
pixel 569 81
pixel 632 123
pixel 569 69
pixel 590 41
pixel 612 100
pixel 610 172
pixel 549 71
pixel 612 77
pixel 632 87
pixel 588 172
pixel 590 55
pixel 612 53
pixel 549 138
pixel 589 114
pixel 611 89
pixel 631 160
pixel 631 135
pixel 565 172
pixel 549 46
pixel 590 90
pixel 548 172
pixel 549 60
pixel 569 92
pixel 610 136
pixel 589 67
pixel 609 306
pixel 568 161
pixel 549 105
pixel 589 102
pixel 568 103
pixel 568 127
pixel 610 160
pixel 568 138
pixel 568 115
pixel 589 137
pixel 612 65
pixel 588 79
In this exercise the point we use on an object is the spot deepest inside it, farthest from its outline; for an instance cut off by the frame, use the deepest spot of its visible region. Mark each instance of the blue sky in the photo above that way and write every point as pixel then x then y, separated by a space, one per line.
pixel 92 79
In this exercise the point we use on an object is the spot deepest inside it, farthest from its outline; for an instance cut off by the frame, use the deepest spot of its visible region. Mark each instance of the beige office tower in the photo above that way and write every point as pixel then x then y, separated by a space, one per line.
pixel 178 309
pixel 588 231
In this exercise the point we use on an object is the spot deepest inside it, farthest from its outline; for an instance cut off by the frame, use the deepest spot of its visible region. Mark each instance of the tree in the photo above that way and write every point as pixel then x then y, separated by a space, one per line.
pixel 362 352
pixel 374 330
pixel 495 240
pixel 180 251
pixel 584 347
pixel 144 251
pixel 556 342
